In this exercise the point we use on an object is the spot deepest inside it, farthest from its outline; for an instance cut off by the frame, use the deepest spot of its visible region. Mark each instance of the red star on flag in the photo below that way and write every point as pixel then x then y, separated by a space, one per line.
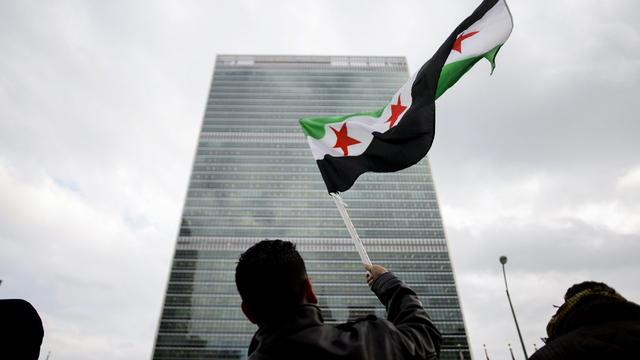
pixel 343 141
pixel 457 46
pixel 396 110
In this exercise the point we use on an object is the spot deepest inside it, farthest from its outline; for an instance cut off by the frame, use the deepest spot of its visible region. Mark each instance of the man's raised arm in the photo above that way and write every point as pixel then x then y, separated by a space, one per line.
pixel 417 336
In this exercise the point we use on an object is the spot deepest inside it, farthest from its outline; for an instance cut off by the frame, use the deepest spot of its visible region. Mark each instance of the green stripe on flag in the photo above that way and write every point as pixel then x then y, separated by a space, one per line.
pixel 452 72
pixel 491 56
pixel 315 127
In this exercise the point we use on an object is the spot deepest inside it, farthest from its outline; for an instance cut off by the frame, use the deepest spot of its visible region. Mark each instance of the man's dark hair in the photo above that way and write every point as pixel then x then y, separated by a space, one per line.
pixel 270 279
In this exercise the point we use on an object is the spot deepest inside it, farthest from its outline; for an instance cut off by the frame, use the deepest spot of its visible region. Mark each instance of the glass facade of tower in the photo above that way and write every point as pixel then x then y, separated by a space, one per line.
pixel 254 178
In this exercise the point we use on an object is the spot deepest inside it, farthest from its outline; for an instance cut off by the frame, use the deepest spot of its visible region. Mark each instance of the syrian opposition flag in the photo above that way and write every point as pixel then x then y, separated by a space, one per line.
pixel 400 134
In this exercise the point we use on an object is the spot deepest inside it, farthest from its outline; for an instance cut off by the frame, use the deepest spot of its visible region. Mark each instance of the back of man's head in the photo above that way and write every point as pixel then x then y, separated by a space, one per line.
pixel 270 277
pixel 586 287
pixel 584 303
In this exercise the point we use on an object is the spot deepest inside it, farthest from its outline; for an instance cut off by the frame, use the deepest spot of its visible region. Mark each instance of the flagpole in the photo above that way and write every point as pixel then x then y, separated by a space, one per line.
pixel 342 208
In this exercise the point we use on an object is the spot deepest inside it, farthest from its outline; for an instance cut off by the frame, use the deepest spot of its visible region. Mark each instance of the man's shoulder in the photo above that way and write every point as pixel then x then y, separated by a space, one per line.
pixel 598 341
pixel 370 320
pixel 350 340
pixel 367 323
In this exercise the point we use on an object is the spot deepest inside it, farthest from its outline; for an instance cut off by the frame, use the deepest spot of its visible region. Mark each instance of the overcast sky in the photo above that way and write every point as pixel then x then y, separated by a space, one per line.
pixel 101 104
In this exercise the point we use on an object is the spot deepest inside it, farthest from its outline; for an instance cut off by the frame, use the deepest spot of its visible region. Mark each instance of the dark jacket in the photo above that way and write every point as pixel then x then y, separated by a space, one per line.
pixel 21 330
pixel 408 332
pixel 598 328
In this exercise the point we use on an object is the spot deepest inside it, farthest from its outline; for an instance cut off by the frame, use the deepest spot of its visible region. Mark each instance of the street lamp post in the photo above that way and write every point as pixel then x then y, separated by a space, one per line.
pixel 503 260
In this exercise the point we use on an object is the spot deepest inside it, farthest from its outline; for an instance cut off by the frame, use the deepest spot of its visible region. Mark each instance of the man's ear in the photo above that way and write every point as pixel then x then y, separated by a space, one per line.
pixel 247 313
pixel 309 295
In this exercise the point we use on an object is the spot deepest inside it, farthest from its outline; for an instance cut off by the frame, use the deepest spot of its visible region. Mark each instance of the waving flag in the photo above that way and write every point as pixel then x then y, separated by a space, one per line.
pixel 400 134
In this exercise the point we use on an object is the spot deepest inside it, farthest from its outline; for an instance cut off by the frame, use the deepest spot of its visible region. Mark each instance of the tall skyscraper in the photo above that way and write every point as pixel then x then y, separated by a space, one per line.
pixel 254 178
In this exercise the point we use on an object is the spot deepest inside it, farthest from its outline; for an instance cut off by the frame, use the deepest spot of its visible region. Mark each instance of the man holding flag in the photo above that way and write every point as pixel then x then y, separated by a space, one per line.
pixel 271 276
pixel 277 296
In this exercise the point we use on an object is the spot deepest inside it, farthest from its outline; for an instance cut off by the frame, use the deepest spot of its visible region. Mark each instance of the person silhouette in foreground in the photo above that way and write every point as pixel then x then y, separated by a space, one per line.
pixel 277 296
pixel 595 322
pixel 21 330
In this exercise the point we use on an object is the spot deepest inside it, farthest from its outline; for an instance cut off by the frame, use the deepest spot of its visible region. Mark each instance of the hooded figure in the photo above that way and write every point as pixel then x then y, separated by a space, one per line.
pixel 595 322
pixel 21 330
